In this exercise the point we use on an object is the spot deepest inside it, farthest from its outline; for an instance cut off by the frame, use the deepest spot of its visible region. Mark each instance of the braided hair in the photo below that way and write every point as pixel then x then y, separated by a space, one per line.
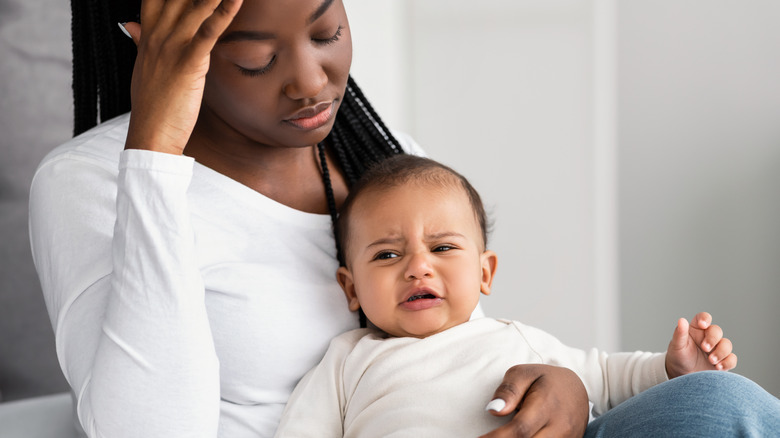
pixel 103 61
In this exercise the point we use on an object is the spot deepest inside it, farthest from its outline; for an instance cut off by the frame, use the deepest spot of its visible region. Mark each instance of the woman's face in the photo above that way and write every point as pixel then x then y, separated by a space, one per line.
pixel 278 73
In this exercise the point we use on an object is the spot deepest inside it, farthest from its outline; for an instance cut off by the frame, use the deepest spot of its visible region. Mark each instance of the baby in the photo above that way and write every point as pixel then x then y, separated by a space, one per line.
pixel 413 234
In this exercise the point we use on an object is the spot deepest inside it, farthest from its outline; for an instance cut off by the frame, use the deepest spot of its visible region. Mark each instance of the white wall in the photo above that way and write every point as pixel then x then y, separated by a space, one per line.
pixel 700 173
pixel 504 91
pixel 681 174
pixel 381 44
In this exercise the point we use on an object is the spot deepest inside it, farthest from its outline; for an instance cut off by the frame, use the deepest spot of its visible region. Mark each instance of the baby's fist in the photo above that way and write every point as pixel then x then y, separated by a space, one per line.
pixel 699 346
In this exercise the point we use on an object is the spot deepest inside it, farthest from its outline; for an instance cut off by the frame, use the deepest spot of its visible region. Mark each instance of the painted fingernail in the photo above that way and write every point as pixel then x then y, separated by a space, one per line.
pixel 495 405
pixel 124 31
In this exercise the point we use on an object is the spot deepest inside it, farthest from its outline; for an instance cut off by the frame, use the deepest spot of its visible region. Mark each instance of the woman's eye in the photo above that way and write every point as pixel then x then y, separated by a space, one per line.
pixel 331 39
pixel 258 71
pixel 385 255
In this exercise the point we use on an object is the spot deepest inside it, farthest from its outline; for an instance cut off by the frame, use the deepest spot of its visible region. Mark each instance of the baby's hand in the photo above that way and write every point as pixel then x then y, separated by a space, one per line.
pixel 698 347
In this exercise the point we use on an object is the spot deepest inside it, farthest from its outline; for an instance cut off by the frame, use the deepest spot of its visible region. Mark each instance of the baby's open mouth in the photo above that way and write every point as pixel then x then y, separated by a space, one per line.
pixel 421 297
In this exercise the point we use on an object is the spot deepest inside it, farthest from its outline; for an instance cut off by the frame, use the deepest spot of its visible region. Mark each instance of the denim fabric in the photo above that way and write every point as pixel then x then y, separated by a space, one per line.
pixel 704 404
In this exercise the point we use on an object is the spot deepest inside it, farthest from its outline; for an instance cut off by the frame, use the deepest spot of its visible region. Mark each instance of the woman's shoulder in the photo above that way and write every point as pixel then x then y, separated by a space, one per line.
pixel 100 146
pixel 82 171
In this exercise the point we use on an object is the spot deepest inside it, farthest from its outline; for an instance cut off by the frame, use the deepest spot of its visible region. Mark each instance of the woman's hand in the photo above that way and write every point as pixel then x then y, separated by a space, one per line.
pixel 547 401
pixel 174 41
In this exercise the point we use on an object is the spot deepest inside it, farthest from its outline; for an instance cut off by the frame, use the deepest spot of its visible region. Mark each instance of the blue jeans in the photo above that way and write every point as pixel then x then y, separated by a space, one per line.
pixel 704 404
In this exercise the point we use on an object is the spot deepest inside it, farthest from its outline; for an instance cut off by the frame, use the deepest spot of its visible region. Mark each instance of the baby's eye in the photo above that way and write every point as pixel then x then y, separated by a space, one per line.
pixel 385 255
pixel 443 248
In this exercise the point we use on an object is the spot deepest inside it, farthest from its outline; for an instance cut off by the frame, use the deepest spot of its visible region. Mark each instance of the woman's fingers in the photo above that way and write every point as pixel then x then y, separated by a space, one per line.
pixel 530 421
pixel 216 21
pixel 151 11
pixel 178 21
pixel 133 30
pixel 516 382
pixel 550 401
pixel 170 17
pixel 514 429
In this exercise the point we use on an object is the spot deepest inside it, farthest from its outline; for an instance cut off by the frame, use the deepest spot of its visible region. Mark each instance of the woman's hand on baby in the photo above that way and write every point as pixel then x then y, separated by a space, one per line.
pixel 699 346
pixel 547 401
pixel 174 40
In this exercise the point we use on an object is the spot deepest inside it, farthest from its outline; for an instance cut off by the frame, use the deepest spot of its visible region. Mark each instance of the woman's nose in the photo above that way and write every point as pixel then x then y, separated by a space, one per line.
pixel 418 267
pixel 307 77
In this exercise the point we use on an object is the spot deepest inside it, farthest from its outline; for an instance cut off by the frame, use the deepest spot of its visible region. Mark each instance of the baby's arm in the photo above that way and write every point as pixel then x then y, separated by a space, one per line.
pixel 609 379
pixel 699 346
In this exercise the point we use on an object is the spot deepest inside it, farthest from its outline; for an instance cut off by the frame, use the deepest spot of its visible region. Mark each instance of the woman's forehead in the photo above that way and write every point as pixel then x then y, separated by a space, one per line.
pixel 303 12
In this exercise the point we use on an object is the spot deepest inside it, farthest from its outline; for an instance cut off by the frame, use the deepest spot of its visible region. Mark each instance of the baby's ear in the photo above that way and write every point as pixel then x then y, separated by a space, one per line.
pixel 489 261
pixel 344 277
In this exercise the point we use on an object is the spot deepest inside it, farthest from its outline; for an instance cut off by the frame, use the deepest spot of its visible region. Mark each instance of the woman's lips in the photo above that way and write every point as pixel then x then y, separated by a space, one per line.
pixel 312 117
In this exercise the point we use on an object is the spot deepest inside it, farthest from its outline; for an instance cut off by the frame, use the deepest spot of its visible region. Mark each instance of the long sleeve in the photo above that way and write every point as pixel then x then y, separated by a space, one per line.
pixel 115 256
pixel 609 379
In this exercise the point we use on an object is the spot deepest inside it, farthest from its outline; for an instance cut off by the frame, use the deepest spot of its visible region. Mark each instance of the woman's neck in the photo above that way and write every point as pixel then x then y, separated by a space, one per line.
pixel 290 176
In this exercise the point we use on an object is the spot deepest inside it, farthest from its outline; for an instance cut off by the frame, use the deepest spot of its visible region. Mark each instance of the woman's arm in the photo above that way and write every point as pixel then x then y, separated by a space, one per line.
pixel 115 259
pixel 115 253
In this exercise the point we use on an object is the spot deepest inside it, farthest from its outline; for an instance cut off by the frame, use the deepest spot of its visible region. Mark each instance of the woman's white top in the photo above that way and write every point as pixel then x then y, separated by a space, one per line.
pixel 183 302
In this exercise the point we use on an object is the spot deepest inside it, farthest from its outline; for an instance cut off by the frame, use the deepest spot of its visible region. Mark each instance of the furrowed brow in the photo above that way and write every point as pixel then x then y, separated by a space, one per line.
pixel 384 241
pixel 444 235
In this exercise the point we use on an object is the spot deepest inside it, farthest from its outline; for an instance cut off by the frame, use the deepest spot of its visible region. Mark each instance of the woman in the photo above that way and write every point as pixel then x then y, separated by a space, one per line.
pixel 185 250
pixel 189 297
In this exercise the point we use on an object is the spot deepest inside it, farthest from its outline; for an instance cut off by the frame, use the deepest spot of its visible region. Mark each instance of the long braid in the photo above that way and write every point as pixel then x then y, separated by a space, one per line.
pixel 341 156
pixel 359 139
pixel 379 125
pixel 331 198
pixel 84 94
pixel 102 61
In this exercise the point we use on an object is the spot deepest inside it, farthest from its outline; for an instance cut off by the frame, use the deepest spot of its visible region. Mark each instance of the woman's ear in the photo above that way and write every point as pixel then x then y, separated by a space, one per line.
pixel 489 261
pixel 344 277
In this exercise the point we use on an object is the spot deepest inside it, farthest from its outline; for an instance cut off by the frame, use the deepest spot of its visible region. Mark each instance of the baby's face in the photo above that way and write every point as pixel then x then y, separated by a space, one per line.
pixel 416 261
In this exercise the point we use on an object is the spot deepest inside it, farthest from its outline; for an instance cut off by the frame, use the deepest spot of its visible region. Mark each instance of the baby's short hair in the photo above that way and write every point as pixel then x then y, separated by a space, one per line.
pixel 401 169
